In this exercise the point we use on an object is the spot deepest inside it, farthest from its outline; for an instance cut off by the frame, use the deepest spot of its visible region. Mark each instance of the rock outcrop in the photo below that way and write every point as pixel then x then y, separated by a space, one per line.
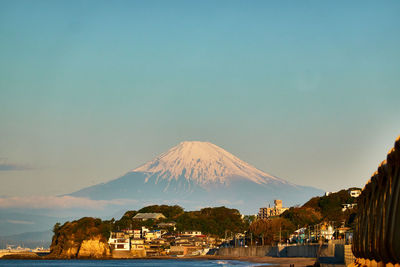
pixel 84 238
pixel 94 248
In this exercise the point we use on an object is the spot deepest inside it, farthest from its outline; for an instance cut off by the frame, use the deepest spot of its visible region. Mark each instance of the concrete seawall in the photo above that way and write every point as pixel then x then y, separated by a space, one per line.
pixel 245 252
pixel 328 253
pixel 306 251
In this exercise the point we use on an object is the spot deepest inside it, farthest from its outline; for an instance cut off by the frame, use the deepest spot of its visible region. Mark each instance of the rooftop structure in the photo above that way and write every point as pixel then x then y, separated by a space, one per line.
pixel 277 210
pixel 148 216
pixel 348 206
pixel 119 241
pixel 192 233
pixel 354 192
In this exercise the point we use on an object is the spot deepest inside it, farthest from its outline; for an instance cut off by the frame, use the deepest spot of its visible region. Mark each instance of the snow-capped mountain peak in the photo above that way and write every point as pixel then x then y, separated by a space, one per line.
pixel 199 174
pixel 203 163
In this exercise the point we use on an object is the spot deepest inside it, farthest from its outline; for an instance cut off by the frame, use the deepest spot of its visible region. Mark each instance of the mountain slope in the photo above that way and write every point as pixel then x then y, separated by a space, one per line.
pixel 198 174
pixel 204 163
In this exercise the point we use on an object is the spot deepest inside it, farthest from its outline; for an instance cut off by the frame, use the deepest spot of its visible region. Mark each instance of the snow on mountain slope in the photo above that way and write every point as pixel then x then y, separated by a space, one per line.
pixel 203 163
pixel 199 174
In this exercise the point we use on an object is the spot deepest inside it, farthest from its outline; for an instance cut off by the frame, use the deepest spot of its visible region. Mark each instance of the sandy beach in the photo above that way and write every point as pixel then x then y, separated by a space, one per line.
pixel 276 261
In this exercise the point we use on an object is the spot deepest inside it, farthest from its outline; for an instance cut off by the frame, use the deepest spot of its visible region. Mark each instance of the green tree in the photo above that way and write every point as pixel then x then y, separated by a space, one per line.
pixel 170 212
pixel 270 230
pixel 302 216
pixel 56 228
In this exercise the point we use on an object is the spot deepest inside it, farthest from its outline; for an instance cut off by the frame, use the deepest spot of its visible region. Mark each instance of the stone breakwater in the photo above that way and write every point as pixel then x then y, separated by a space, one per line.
pixel 377 231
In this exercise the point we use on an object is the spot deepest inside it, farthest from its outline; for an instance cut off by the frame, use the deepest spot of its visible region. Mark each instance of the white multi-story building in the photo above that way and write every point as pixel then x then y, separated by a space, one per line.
pixel 354 192
pixel 267 212
pixel 192 233
pixel 119 241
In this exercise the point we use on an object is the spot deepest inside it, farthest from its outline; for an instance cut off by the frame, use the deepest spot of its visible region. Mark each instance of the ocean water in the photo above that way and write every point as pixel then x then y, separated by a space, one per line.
pixel 144 263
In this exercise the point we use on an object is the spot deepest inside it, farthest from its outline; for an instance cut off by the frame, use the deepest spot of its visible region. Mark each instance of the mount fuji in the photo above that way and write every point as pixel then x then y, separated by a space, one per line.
pixel 199 174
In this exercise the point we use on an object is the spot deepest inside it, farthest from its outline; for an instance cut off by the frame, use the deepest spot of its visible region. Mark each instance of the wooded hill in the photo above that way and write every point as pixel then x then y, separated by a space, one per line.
pixel 219 220
pixel 317 210
pixel 211 221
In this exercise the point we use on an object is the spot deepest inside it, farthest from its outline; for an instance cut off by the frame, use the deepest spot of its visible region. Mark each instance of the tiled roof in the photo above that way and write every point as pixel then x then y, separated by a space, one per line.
pixel 148 216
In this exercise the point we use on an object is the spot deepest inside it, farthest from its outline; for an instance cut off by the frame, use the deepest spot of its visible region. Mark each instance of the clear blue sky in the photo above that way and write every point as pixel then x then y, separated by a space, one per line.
pixel 306 90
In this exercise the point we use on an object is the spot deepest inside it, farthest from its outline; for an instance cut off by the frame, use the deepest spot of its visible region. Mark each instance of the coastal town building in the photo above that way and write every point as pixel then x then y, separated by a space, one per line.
pixel 354 192
pixel 144 231
pixel 327 231
pixel 119 241
pixel 151 235
pixel 167 225
pixel 137 244
pixel 137 234
pixel 184 250
pixel 148 216
pixel 141 243
pixel 348 206
pixel 267 212
pixel 133 233
pixel 197 241
pixel 192 233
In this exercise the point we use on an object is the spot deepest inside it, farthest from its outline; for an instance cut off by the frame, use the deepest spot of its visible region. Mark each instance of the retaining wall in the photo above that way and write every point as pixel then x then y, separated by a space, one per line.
pixel 245 252
pixel 305 251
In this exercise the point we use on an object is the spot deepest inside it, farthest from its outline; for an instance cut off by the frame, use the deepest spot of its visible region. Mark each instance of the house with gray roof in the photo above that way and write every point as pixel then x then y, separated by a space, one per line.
pixel 148 216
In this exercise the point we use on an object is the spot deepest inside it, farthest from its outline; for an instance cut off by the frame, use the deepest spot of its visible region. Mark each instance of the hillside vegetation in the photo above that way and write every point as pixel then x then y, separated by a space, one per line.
pixel 330 206
pixel 211 221
pixel 69 237
pixel 316 211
